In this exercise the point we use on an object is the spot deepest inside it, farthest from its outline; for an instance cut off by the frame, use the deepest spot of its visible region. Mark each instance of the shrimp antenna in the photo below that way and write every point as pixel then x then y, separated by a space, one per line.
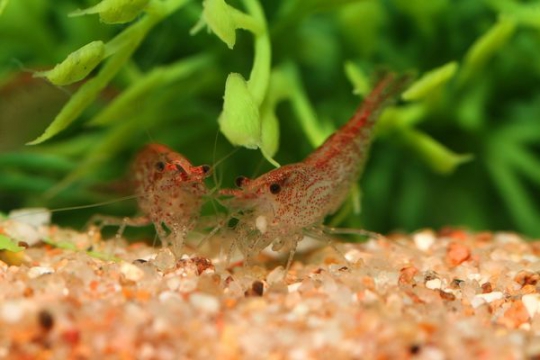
pixel 149 135
pixel 214 154
pixel 217 180
pixel 80 207
pixel 350 231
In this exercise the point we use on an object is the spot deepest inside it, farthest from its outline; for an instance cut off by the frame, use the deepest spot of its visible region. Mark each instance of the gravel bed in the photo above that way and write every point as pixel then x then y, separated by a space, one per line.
pixel 429 295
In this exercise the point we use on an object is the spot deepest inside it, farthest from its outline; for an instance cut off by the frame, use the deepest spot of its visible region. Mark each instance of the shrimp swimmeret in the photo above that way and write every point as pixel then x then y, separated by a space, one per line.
pixel 280 206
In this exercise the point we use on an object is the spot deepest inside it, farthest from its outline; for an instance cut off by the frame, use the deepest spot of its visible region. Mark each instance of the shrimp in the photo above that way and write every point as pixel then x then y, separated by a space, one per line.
pixel 170 193
pixel 280 206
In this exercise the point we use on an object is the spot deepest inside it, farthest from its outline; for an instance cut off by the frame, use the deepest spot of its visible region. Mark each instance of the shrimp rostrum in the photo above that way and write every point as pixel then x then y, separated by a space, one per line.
pixel 280 206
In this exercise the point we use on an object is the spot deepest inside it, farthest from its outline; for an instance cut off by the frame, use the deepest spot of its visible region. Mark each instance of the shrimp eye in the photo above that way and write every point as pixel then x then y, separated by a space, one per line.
pixel 239 181
pixel 160 166
pixel 205 169
pixel 275 188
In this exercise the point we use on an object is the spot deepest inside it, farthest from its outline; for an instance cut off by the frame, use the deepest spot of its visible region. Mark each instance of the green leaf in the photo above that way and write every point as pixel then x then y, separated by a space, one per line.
pixel 121 48
pixel 224 19
pixel 9 244
pixel 430 82
pixel 217 15
pixel 115 11
pixel 77 65
pixel 239 121
pixel 86 94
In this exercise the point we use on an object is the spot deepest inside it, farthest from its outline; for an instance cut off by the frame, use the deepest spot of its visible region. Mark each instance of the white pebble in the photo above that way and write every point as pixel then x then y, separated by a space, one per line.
pixel 424 240
pixel 204 302
pixel 353 255
pixel 294 287
pixel 174 283
pixel 434 284
pixel 261 223
pixel 21 230
pixel 168 295
pixel 131 272
pixel 12 311
pixel 480 299
pixel 433 353
pixel 165 259
pixel 531 303
pixel 37 271
pixel 475 276
pixel 35 217
pixel 276 276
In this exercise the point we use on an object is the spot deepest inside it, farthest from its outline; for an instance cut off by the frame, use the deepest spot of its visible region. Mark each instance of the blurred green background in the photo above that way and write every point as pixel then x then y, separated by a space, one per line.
pixel 486 104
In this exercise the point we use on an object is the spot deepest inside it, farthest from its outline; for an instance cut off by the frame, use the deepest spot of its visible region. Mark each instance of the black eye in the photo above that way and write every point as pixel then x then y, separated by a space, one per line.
pixel 275 188
pixel 239 181
pixel 160 166
pixel 205 168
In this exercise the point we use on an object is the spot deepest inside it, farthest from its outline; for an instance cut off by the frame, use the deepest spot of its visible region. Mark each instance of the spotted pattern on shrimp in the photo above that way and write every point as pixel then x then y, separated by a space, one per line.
pixel 299 196
pixel 169 191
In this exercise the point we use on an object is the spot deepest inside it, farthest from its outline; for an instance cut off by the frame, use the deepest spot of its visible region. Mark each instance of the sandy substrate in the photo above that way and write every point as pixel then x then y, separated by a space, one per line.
pixel 447 295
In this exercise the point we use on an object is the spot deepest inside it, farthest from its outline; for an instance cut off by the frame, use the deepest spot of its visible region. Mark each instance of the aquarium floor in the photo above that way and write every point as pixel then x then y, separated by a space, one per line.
pixel 446 295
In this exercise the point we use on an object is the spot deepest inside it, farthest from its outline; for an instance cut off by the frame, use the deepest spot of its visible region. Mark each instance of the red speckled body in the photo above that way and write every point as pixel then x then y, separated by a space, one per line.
pixel 278 206
pixel 169 190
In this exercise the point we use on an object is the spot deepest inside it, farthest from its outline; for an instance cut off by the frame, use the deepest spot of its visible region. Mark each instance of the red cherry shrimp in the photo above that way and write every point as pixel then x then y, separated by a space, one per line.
pixel 170 192
pixel 279 206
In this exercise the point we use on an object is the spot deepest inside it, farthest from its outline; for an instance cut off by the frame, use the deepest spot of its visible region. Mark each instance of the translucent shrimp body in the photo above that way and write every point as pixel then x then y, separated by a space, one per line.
pixel 170 191
pixel 280 205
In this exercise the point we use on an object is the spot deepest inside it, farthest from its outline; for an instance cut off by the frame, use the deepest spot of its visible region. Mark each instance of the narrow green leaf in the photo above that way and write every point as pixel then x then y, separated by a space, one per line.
pixel 35 161
pixel 436 155
pixel 3 4
pixel 430 82
pixel 395 118
pixel 471 110
pixel 519 203
pixel 358 79
pixel 269 134
pixel 486 46
pixel 302 107
pixel 523 161
pixel 120 49
pixel 259 77
pixel 159 77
